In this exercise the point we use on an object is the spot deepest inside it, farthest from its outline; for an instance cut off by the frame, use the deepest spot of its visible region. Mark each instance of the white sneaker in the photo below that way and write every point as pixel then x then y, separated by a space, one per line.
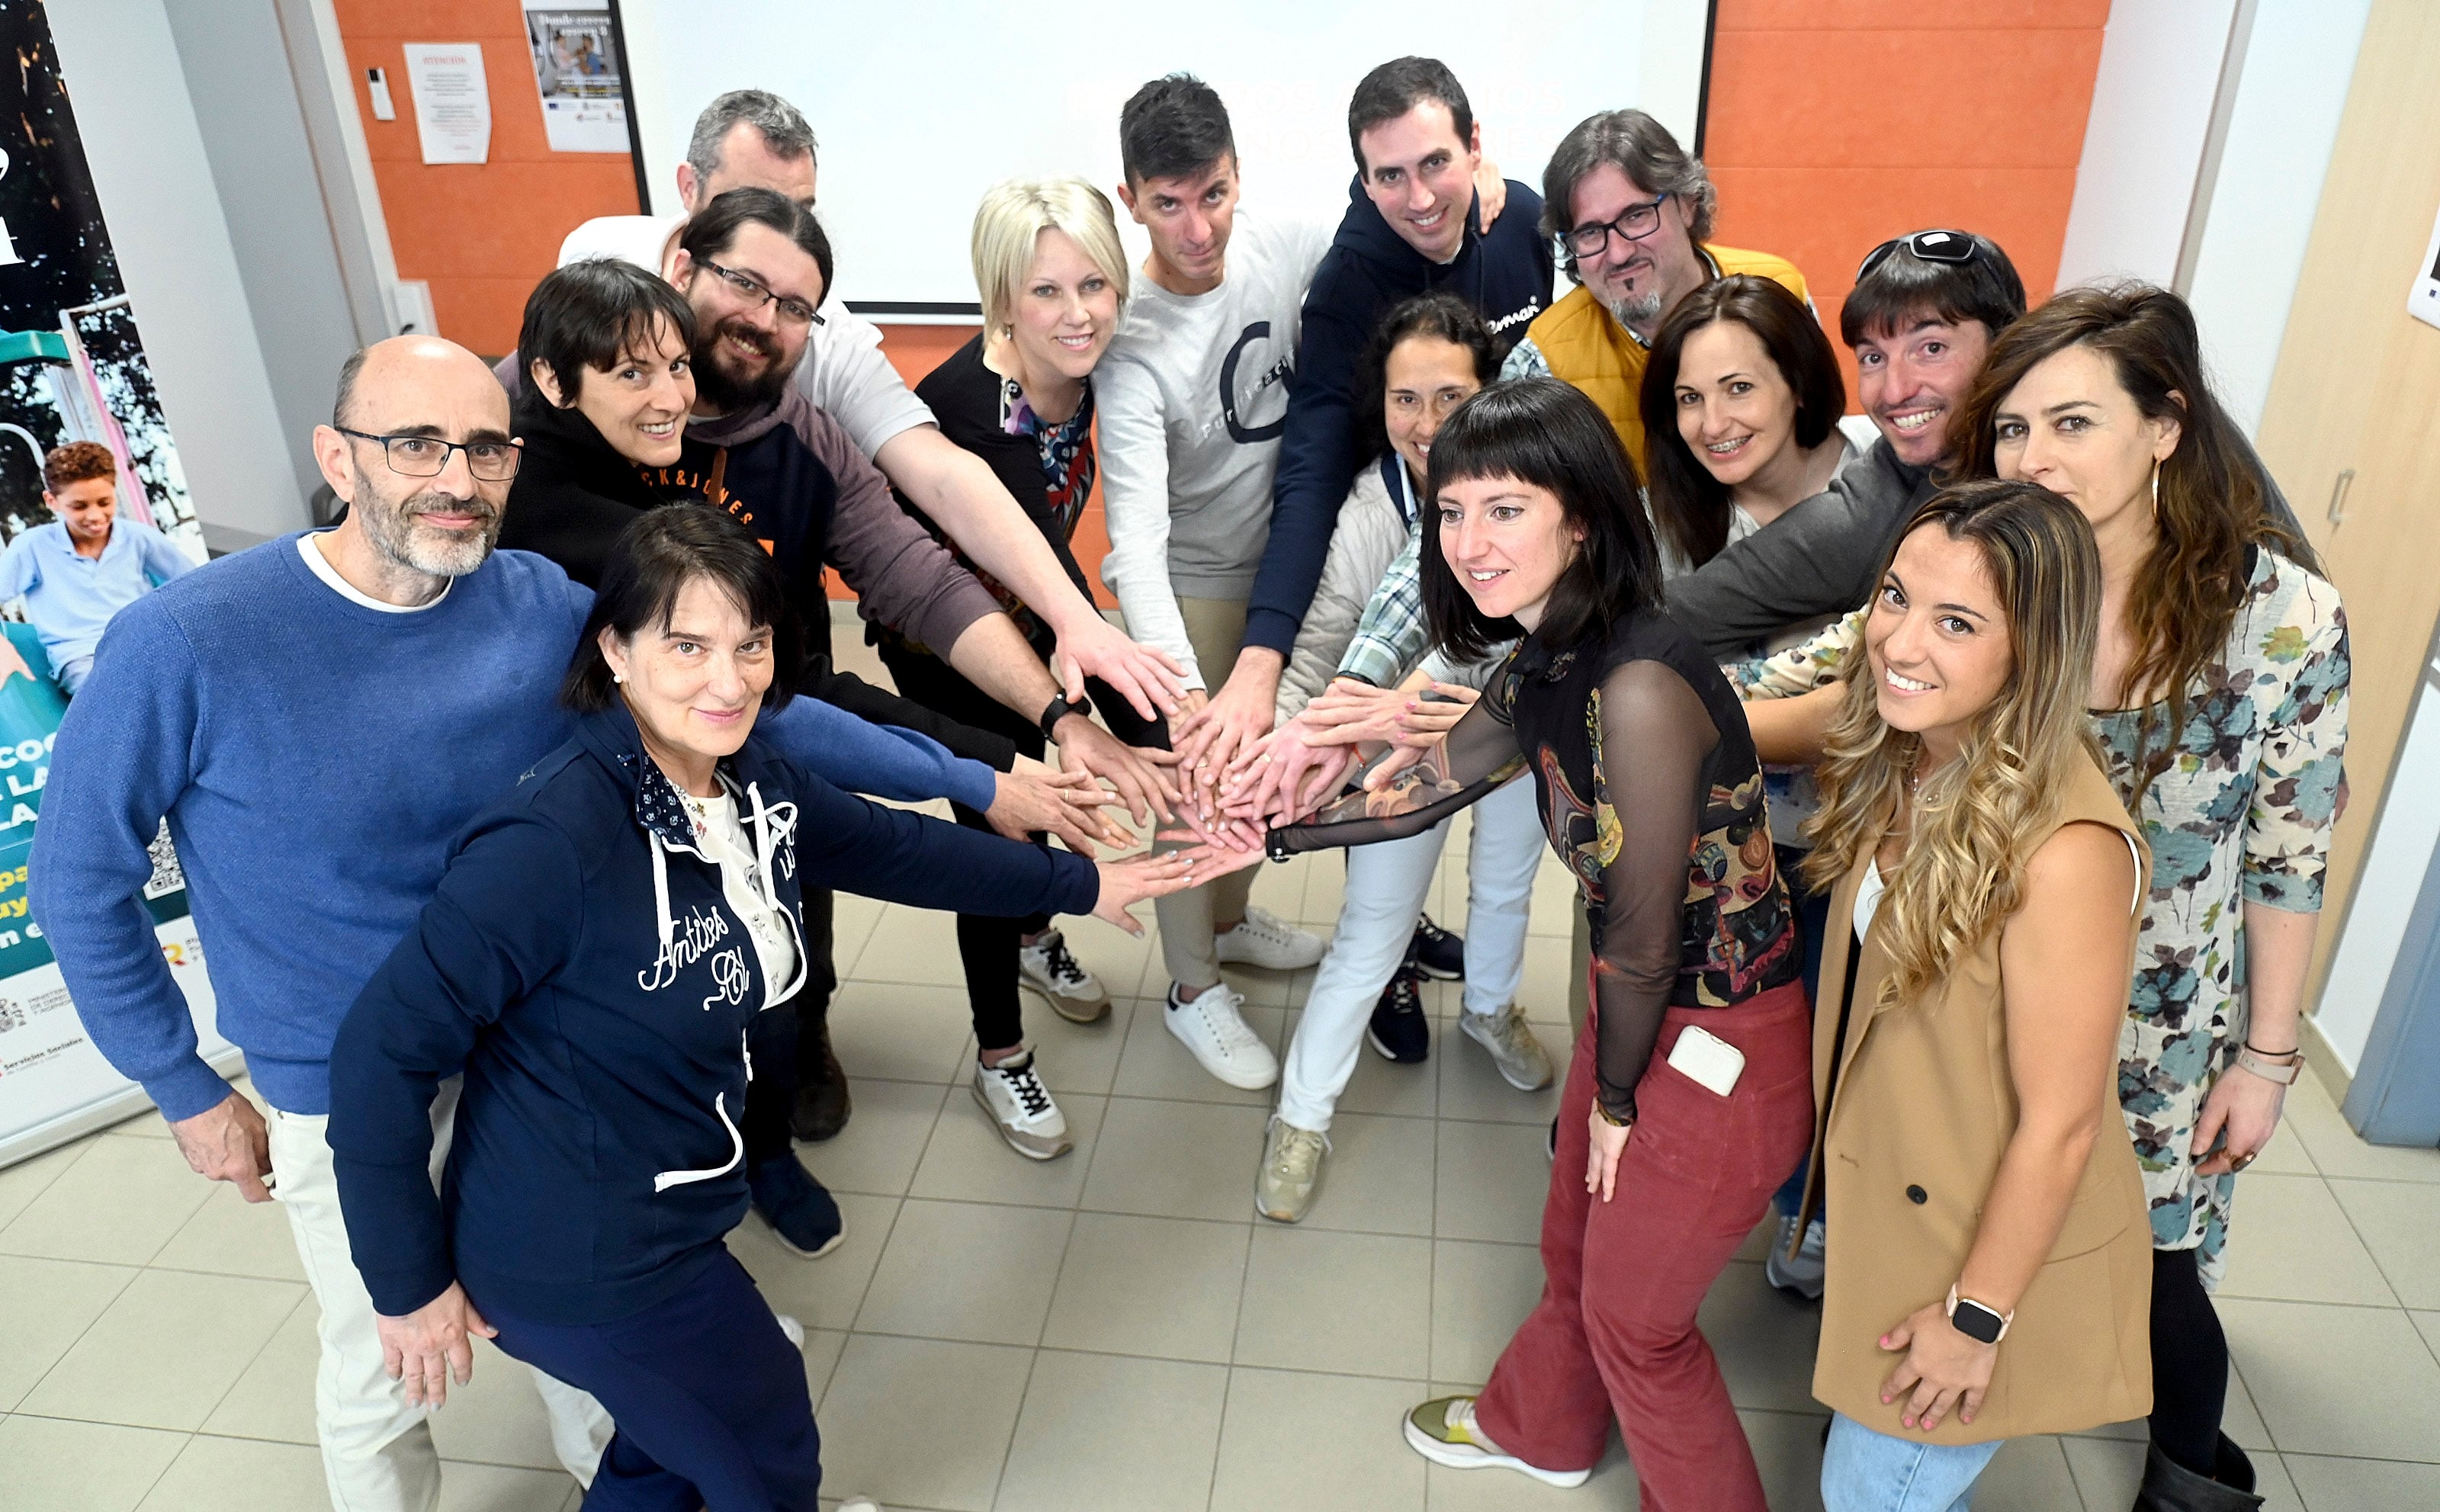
pixel 1213 1028
pixel 1519 1059
pixel 859 1504
pixel 1048 968
pixel 1020 1108
pixel 795 1330
pixel 1291 1172
pixel 1268 941
pixel 1443 1432
pixel 1804 1272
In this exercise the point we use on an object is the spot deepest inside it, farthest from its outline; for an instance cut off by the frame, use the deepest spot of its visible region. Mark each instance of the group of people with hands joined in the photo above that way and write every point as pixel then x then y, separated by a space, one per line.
pixel 1948 815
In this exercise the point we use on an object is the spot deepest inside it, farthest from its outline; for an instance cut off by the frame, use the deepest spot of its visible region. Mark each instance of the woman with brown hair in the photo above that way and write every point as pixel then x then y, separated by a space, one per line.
pixel 1741 404
pixel 2220 679
pixel 1985 880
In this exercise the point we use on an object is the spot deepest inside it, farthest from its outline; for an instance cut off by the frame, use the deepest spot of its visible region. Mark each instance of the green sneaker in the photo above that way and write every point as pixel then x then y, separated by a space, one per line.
pixel 1443 1432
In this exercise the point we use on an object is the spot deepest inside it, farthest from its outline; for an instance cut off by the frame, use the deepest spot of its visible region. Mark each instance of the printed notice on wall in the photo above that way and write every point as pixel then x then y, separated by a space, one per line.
pixel 576 64
pixel 453 108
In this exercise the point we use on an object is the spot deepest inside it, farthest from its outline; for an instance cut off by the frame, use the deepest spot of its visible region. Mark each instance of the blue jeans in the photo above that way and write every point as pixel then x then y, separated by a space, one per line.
pixel 1863 1470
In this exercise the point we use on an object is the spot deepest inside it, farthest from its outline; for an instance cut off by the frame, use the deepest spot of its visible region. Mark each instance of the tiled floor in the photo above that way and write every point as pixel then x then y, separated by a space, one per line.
pixel 1115 1329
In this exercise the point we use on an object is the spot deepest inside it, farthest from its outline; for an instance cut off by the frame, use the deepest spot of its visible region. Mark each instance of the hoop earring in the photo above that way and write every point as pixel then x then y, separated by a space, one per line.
pixel 2156 490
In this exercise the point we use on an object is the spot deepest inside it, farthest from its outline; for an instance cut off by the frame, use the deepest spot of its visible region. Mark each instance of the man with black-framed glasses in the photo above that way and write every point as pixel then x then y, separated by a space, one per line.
pixel 317 719
pixel 1630 212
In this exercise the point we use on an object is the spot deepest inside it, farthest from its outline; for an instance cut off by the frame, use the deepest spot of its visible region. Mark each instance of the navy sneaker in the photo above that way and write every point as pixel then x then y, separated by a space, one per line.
pixel 1435 952
pixel 803 1215
pixel 1399 1029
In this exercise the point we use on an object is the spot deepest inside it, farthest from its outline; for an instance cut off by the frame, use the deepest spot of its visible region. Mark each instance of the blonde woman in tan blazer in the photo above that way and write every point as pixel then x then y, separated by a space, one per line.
pixel 1990 1271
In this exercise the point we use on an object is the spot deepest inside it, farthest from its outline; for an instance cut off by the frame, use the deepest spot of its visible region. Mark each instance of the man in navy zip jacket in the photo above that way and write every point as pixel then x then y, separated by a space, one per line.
pixel 1411 226
pixel 317 718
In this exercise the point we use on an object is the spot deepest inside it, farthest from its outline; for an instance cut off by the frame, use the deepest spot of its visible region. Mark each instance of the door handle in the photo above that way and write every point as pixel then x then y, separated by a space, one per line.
pixel 2339 496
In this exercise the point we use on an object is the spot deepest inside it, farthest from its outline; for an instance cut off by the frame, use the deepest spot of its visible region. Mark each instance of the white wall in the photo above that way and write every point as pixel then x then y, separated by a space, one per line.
pixel 2147 145
pixel 2402 845
pixel 2299 61
pixel 1015 90
pixel 2151 113
pixel 146 151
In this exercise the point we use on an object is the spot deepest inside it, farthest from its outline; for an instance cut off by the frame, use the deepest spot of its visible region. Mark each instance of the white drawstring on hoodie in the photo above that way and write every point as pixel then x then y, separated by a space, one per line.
pixel 783 816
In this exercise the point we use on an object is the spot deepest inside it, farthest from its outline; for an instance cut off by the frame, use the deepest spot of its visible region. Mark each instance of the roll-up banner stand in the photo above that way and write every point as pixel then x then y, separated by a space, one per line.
pixel 72 367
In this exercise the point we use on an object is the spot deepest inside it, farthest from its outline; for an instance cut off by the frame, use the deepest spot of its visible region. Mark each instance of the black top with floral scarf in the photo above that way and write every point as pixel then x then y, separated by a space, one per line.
pixel 1048 469
pixel 1651 794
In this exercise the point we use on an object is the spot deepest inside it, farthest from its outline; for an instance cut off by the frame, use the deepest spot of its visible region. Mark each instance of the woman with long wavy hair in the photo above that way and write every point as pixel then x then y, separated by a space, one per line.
pixel 2219 687
pixel 1990 1269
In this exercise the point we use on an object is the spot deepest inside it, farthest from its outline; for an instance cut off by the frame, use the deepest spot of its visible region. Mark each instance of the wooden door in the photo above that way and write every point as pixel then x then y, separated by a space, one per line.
pixel 2358 387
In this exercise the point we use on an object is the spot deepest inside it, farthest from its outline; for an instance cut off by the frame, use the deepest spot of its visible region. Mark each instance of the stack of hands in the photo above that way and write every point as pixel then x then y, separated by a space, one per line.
pixel 1240 784
pixel 1226 779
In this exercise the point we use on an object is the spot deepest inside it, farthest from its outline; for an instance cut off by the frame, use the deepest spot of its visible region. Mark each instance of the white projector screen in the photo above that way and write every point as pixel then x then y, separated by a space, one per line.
pixel 920 106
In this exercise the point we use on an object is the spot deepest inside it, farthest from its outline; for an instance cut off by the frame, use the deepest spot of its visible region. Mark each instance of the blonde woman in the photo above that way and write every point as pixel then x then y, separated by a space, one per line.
pixel 1990 1274
pixel 1052 278
pixel 2221 676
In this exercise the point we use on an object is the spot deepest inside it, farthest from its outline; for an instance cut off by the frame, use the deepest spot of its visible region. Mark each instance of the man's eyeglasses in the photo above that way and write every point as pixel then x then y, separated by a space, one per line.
pixel 1638 223
pixel 490 461
pixel 796 312
pixel 1932 246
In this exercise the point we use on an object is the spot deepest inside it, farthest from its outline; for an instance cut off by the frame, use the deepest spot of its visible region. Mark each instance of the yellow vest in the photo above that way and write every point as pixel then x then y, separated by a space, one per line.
pixel 1586 347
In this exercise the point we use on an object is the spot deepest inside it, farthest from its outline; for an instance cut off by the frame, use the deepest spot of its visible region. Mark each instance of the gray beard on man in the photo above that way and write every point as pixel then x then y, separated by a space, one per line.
pixel 1636 312
pixel 393 532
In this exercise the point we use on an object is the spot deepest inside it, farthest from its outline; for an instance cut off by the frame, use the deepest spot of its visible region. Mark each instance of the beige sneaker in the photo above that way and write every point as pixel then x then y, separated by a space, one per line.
pixel 1291 1172
pixel 1518 1056
pixel 1072 992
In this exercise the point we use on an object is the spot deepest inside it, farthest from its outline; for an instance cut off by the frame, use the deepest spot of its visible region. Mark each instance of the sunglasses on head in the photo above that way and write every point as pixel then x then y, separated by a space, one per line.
pixel 1932 246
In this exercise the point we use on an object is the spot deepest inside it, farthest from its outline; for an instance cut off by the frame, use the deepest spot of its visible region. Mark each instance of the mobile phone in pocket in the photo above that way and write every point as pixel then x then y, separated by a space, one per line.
pixel 1706 1060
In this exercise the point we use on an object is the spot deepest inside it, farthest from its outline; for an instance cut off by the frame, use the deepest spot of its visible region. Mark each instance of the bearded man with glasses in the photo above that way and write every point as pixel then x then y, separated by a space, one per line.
pixel 1631 212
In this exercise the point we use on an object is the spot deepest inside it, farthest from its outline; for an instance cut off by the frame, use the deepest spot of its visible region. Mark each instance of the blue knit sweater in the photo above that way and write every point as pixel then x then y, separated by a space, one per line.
pixel 315 760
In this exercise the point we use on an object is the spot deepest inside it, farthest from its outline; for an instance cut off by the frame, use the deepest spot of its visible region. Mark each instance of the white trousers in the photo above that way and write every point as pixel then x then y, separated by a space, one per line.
pixel 377 1451
pixel 1386 886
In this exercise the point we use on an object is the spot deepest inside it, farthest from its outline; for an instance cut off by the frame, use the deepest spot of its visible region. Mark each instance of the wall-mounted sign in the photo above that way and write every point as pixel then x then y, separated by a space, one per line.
pixel 2423 301
pixel 453 104
pixel 576 64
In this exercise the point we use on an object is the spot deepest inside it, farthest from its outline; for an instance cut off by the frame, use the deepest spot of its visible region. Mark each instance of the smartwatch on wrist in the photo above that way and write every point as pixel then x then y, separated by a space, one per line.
pixel 1976 1322
pixel 1060 709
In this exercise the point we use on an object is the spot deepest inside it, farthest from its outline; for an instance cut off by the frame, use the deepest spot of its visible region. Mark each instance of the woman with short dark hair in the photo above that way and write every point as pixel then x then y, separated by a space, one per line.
pixel 591 962
pixel 1689 1096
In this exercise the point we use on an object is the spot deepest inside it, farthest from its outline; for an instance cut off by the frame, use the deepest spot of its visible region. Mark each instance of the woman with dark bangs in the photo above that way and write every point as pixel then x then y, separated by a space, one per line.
pixel 1689 1095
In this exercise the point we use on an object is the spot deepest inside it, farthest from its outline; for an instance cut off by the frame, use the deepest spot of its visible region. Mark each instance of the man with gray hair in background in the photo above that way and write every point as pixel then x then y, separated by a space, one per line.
pixel 751 138
pixel 1632 214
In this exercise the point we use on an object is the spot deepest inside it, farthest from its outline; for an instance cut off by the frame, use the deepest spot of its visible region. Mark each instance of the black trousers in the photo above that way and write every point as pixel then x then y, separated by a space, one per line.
pixel 785 1041
pixel 987 944
pixel 2189 1364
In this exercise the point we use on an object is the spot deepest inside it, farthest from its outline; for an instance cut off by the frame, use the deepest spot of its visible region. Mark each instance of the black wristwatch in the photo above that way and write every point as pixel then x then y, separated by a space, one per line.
pixel 1975 1320
pixel 1060 709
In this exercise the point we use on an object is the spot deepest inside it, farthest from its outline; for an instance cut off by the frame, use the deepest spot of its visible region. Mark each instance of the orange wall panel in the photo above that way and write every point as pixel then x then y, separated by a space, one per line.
pixel 1835 124
pixel 481 234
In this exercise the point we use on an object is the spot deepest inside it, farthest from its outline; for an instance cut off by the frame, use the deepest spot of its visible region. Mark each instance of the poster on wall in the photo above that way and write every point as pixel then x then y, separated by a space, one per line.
pixel 72 370
pixel 576 64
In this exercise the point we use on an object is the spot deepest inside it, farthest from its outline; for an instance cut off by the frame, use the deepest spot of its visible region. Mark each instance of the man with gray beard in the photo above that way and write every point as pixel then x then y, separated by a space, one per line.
pixel 317 719
pixel 1632 214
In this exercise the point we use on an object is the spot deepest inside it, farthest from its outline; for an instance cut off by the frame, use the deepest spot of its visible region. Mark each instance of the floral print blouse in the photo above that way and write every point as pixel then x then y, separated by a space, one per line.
pixel 2242 812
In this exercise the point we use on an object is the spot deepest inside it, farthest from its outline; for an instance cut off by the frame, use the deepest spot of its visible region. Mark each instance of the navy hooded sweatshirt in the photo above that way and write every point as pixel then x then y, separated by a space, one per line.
pixel 1505 272
pixel 581 966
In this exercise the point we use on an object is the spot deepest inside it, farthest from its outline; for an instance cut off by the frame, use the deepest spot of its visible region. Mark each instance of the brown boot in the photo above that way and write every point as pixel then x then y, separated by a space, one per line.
pixel 2169 1486
pixel 821 1105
